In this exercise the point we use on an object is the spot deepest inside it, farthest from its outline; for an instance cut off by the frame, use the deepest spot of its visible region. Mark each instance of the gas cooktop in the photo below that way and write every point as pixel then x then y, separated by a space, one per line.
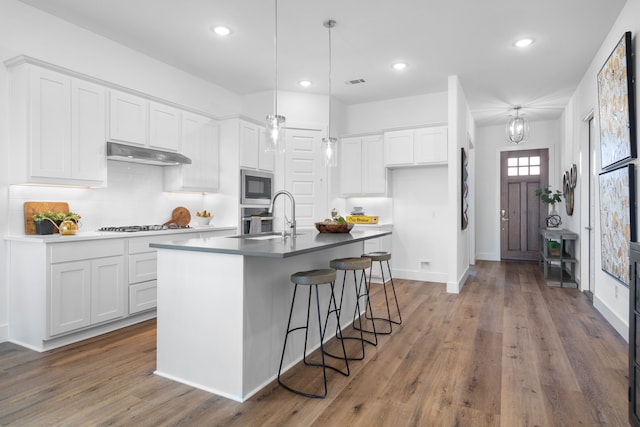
pixel 134 228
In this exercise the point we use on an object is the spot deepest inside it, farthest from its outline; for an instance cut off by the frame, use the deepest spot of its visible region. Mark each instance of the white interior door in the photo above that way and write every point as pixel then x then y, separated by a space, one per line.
pixel 305 178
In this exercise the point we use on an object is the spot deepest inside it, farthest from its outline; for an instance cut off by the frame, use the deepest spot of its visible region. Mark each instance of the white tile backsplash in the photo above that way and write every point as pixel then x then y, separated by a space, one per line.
pixel 134 195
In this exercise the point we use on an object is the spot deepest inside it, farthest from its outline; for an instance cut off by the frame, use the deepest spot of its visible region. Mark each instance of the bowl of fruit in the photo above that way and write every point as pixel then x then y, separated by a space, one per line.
pixel 335 225
pixel 203 217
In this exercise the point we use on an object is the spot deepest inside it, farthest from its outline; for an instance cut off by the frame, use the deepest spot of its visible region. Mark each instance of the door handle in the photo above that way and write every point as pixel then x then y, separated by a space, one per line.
pixel 503 215
pixel 588 228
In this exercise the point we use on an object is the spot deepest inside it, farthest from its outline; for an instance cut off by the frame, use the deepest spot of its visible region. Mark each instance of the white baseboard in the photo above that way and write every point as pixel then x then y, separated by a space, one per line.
pixel 4 332
pixel 456 287
pixel 618 324
pixel 424 276
pixel 487 256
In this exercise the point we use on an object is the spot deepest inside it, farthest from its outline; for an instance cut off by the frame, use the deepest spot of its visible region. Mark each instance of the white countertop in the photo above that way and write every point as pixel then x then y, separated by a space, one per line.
pixel 96 235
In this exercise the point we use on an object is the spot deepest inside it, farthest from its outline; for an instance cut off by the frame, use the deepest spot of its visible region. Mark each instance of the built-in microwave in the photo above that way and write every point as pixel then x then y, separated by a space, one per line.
pixel 256 187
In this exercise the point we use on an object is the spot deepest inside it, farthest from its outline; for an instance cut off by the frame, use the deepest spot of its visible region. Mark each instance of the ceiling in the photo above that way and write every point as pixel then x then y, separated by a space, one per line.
pixel 437 38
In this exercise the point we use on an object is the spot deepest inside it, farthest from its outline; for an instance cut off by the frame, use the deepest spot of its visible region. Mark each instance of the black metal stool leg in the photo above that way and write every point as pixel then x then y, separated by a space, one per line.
pixel 365 295
pixel 395 296
pixel 321 334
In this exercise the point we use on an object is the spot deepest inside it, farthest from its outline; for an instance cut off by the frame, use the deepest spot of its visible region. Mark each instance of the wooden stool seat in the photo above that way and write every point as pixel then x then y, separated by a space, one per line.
pixel 378 256
pixel 314 277
pixel 350 263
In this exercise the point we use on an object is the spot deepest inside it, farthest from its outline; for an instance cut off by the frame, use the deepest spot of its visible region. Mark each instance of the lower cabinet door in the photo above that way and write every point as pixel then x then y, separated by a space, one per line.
pixel 107 289
pixel 70 296
pixel 143 296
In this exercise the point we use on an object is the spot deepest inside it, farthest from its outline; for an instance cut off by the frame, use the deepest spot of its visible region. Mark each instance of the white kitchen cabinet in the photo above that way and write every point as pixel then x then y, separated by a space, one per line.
pixel 430 145
pixel 200 143
pixel 85 293
pixel 165 125
pixel 70 296
pixel 253 142
pixel 87 284
pixel 128 118
pixel 58 129
pixel 362 169
pixel 414 147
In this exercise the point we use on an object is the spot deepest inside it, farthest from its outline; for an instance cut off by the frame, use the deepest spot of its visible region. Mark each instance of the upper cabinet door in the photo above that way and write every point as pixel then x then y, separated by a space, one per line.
pixel 350 161
pixel 88 131
pixel 430 145
pixel 398 148
pixel 266 159
pixel 164 127
pixel 200 143
pixel 249 145
pixel 374 174
pixel 50 124
pixel 128 118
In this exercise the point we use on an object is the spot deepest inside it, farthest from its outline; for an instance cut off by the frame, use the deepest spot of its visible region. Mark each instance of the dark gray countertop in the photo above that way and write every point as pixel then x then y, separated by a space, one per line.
pixel 273 246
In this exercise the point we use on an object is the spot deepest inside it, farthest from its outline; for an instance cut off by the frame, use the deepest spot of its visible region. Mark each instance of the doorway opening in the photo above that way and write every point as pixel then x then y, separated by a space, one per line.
pixel 522 214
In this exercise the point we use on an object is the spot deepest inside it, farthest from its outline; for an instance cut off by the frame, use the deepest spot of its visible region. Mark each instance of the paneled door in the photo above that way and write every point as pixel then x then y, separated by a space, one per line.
pixel 305 176
pixel 521 212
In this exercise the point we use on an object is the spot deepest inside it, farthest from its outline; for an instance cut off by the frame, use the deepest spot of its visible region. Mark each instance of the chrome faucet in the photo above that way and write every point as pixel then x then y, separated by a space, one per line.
pixel 292 223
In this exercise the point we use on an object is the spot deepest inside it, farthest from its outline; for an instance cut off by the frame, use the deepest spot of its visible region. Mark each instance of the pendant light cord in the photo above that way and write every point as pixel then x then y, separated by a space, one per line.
pixel 329 24
pixel 275 42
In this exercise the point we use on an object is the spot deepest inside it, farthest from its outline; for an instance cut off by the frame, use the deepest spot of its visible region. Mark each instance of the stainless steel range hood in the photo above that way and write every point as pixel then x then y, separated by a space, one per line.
pixel 149 156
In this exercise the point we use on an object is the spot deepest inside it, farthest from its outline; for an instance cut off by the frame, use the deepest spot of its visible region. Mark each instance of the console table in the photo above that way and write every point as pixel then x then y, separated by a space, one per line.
pixel 566 254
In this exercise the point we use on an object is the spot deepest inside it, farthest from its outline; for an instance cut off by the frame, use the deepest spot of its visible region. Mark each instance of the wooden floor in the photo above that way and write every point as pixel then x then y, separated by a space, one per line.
pixel 506 351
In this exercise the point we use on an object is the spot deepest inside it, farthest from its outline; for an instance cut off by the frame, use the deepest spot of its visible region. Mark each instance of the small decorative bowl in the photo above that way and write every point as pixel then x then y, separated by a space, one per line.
pixel 333 228
pixel 203 220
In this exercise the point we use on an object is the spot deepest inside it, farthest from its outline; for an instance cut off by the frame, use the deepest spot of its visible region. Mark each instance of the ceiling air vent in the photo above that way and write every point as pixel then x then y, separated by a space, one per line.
pixel 354 82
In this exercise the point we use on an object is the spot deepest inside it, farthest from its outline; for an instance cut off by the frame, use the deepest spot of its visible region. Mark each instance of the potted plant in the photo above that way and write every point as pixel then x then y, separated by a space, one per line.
pixel 550 197
pixel 45 222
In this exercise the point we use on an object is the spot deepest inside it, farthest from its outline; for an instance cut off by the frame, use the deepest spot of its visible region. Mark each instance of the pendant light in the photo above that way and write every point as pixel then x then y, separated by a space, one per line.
pixel 517 128
pixel 329 142
pixel 275 122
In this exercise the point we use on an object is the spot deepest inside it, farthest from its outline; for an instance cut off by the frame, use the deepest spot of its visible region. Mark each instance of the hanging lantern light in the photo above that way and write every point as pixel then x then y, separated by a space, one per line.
pixel 517 128
pixel 275 122
pixel 330 143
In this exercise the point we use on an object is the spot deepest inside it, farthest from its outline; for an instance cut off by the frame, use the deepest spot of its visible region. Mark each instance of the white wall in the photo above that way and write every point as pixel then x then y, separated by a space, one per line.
pixel 490 141
pixel 428 109
pixel 134 192
pixel 461 127
pixel 611 297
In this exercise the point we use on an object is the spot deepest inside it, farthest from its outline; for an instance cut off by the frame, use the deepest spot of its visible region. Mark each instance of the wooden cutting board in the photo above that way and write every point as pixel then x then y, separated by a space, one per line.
pixel 180 216
pixel 31 208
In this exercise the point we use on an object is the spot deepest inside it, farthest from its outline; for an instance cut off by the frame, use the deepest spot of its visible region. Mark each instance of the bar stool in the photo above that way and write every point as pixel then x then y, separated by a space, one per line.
pixel 379 257
pixel 313 278
pixel 354 264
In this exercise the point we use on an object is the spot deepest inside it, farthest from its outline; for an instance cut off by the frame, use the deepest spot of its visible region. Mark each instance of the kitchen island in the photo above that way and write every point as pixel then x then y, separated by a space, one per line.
pixel 223 306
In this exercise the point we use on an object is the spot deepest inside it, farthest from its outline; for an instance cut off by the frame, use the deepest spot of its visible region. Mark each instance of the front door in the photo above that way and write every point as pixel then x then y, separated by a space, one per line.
pixel 521 212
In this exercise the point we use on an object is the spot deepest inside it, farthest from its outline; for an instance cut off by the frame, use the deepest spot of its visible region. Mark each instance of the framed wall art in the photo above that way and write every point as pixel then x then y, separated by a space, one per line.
pixel 464 220
pixel 616 106
pixel 617 220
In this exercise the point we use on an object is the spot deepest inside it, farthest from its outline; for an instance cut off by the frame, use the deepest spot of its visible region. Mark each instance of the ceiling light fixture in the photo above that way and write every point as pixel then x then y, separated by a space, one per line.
pixel 275 122
pixel 517 128
pixel 221 30
pixel 399 66
pixel 524 42
pixel 304 83
pixel 330 142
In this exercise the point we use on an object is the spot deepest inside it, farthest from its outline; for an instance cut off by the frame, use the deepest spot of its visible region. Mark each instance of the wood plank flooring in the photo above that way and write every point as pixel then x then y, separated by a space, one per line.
pixel 507 351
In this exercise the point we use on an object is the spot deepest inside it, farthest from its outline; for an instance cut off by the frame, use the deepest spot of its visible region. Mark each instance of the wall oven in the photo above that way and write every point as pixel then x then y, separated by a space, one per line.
pixel 256 188
pixel 255 221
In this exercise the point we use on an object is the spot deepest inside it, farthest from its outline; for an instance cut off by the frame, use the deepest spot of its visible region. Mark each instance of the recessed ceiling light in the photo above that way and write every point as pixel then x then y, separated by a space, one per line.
pixel 221 30
pixel 523 42
pixel 399 66
pixel 304 83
